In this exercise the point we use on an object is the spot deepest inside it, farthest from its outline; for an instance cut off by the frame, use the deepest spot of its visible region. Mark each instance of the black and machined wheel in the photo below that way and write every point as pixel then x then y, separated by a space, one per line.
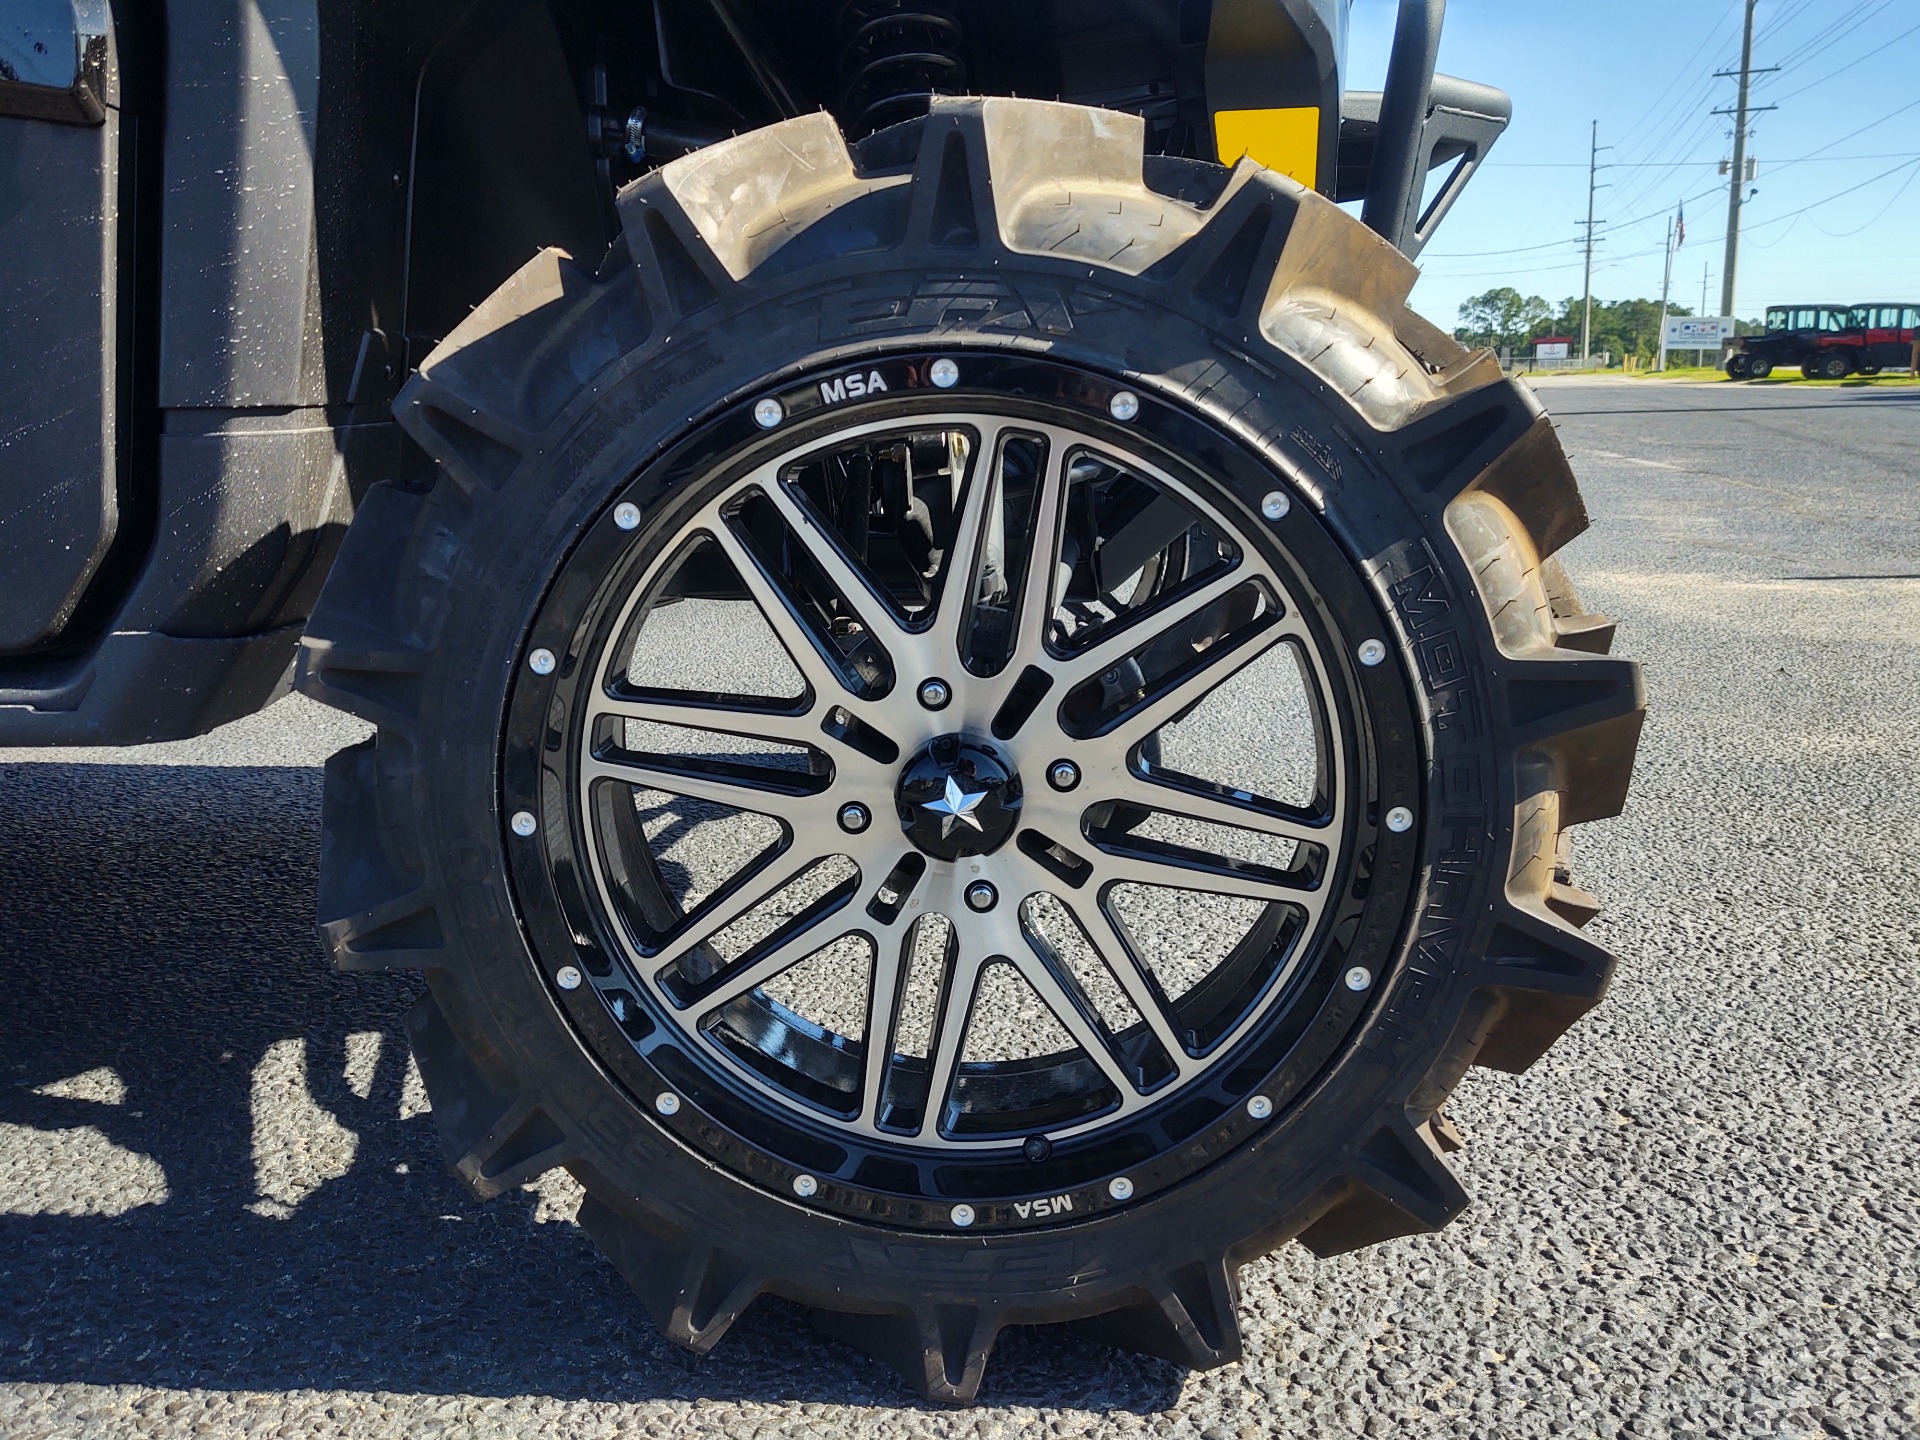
pixel 972 733
pixel 1739 365
pixel 1828 365
pixel 1759 369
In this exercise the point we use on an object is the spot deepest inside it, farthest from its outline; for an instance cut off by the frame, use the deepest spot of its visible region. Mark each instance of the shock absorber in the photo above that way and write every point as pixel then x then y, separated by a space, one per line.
pixel 895 55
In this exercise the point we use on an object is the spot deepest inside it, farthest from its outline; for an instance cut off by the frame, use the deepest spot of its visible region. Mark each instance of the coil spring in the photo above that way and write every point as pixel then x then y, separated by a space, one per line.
pixel 895 55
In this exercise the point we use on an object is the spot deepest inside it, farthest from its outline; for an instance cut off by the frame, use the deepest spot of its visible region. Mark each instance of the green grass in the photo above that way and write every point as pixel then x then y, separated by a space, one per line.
pixel 1709 374
pixel 1852 382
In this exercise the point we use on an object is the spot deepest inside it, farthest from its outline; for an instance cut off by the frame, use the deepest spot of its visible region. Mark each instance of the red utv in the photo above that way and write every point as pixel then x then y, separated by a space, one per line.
pixel 1878 336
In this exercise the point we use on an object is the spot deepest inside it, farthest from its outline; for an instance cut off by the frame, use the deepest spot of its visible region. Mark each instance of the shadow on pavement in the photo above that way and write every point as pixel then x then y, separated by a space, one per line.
pixel 157 921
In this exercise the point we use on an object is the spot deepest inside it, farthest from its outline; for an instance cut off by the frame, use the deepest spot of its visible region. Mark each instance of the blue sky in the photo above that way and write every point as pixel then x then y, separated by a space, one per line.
pixel 1644 70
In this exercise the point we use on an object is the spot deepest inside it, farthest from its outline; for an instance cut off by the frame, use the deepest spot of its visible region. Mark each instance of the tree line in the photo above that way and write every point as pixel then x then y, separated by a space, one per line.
pixel 1504 317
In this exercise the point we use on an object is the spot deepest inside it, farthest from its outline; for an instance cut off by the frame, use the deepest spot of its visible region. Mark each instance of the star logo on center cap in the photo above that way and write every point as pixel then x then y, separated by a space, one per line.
pixel 956 807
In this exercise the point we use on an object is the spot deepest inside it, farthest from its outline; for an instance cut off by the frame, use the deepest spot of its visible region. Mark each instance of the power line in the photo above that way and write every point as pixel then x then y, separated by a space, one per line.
pixel 1872 179
pixel 1617 165
pixel 1571 240
pixel 1871 124
pixel 1848 66
pixel 1844 27
pixel 1815 44
pixel 1655 121
pixel 1671 156
pixel 1878 215
pixel 1842 23
pixel 1783 18
pixel 1913 164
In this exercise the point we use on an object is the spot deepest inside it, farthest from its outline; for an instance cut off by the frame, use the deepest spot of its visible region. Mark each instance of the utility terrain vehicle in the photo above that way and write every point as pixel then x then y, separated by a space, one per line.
pixel 1878 337
pixel 1793 336
pixel 975 723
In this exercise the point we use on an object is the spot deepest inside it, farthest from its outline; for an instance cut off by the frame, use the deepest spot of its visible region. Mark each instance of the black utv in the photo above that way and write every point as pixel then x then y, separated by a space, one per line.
pixel 1792 336
pixel 975 724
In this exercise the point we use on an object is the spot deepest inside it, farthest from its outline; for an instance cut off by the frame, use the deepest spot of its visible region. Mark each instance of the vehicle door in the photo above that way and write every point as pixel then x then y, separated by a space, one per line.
pixel 1844 327
pixel 1879 333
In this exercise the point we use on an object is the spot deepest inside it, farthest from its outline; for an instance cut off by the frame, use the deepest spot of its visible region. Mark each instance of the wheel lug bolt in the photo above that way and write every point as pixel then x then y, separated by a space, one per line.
pixel 961 1215
pixel 1399 819
pixel 945 374
pixel 855 817
pixel 667 1103
pixel 982 896
pixel 1063 775
pixel 1124 405
pixel 567 977
pixel 1037 1148
pixel 626 515
pixel 1120 1187
pixel 805 1186
pixel 541 662
pixel 1259 1107
pixel 1275 505
pixel 769 413
pixel 934 694
pixel 1359 978
pixel 524 824
pixel 1372 652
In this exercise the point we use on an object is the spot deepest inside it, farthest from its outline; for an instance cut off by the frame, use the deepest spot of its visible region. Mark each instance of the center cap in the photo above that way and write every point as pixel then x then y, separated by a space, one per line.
pixel 958 798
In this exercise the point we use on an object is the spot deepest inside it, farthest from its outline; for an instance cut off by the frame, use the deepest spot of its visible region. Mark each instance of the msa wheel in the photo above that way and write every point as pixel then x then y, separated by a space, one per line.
pixel 1738 366
pixel 969 743
pixel 1759 369
pixel 1833 365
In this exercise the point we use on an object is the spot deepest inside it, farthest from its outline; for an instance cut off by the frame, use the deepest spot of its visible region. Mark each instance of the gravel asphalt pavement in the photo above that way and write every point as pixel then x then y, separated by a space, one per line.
pixel 222 1210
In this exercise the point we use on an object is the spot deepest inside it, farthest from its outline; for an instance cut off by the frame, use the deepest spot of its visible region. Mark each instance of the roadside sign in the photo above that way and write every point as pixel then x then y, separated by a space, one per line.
pixel 1550 350
pixel 1697 332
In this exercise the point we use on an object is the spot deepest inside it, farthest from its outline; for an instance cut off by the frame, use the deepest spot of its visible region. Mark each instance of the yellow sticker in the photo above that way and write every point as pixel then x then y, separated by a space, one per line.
pixel 1284 140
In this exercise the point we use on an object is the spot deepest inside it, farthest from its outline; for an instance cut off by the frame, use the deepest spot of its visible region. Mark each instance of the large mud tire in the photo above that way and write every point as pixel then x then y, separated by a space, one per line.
pixel 1017 230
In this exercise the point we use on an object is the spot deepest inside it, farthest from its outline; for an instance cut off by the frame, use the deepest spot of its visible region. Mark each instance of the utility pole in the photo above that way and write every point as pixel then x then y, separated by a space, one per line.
pixel 1703 286
pixel 1737 180
pixel 1666 289
pixel 1586 311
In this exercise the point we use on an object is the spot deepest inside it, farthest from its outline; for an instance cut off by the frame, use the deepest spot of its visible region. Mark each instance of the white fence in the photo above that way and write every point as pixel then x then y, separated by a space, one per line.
pixel 1526 360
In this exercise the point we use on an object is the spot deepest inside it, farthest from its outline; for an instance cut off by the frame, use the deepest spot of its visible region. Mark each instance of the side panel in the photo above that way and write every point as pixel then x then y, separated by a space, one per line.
pixel 239 294
pixel 59 320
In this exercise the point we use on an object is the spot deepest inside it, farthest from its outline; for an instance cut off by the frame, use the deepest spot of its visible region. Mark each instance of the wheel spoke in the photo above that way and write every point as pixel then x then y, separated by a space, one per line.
pixel 983 697
pixel 753 722
pixel 1205 874
pixel 966 553
pixel 758 788
pixel 1043 561
pixel 823 551
pixel 740 895
pixel 1110 942
pixel 785 948
pixel 1211 669
pixel 1078 1021
pixel 1217 809
pixel 950 1034
pixel 890 961
pixel 1138 632
pixel 813 652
